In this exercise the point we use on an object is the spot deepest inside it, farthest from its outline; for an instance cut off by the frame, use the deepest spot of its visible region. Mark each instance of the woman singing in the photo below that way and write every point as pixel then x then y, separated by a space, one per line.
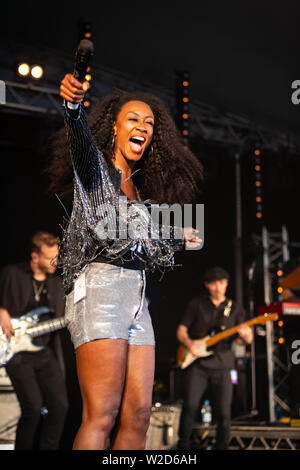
pixel 129 149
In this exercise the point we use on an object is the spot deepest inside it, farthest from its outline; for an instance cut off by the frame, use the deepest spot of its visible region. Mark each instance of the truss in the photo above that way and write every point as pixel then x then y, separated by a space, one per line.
pixel 250 437
pixel 206 122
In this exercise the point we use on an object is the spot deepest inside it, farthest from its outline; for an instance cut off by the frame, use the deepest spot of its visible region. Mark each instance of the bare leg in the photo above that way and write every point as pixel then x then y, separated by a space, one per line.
pixel 137 399
pixel 101 367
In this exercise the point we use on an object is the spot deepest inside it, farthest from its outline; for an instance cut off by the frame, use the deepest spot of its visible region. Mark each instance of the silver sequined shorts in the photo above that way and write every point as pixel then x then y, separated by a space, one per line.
pixel 115 306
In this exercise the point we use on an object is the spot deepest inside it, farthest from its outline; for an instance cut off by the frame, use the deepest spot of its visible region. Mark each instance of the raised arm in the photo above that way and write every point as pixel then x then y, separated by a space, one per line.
pixel 85 154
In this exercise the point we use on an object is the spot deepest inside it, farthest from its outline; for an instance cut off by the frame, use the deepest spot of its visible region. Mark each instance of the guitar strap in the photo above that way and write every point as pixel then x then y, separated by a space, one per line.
pixel 222 324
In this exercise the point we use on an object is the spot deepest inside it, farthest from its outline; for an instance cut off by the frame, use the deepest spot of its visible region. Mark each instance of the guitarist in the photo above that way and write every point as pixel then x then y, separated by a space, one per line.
pixel 37 378
pixel 204 315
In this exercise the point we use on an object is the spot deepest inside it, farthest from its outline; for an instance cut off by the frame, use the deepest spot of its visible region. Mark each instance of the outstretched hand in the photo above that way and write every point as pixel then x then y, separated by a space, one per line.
pixel 191 240
pixel 72 90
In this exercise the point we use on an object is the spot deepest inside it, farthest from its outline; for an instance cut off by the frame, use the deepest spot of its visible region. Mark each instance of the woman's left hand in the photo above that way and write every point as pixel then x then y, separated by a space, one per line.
pixel 191 240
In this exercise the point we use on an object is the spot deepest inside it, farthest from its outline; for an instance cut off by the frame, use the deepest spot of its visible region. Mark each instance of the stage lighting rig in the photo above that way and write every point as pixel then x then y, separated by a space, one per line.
pixel 183 102
pixel 30 71
pixel 23 69
pixel 85 31
pixel 258 183
pixel 37 72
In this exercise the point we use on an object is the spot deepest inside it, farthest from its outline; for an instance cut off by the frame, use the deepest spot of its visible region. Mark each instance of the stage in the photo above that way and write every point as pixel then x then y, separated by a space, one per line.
pixel 245 436
pixel 163 430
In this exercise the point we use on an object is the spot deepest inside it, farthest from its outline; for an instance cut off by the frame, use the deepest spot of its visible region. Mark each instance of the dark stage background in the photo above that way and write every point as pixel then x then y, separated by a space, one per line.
pixel 242 58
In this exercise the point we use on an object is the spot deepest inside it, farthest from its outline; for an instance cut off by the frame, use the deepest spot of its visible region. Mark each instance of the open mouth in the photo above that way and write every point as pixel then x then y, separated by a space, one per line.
pixel 136 143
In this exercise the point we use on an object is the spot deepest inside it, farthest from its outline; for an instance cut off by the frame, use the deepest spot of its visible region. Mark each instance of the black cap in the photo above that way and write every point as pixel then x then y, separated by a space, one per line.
pixel 215 274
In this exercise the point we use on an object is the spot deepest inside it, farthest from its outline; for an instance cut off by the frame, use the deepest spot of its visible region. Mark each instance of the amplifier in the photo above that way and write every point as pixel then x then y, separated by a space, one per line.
pixel 164 424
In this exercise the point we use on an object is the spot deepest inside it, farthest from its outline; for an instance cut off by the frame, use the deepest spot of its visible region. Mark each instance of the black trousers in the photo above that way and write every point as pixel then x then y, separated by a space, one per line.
pixel 196 380
pixel 38 382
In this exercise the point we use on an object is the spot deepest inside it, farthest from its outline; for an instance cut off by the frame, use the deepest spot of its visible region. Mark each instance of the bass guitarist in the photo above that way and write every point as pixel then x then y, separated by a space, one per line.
pixel 209 314
pixel 37 378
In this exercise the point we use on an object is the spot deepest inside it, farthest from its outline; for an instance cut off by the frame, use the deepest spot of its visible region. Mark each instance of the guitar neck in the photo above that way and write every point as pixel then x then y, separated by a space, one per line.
pixel 225 334
pixel 46 327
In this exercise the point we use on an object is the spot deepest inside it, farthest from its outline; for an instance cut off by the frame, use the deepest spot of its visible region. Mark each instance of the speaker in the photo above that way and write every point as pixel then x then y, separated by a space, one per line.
pixel 163 430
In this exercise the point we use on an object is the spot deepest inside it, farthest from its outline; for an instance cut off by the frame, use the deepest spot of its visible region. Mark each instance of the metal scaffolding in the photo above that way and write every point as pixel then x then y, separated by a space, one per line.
pixel 247 437
pixel 275 253
pixel 206 122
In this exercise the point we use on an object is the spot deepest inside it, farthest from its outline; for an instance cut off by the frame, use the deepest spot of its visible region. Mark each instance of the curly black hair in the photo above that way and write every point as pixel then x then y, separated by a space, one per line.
pixel 169 171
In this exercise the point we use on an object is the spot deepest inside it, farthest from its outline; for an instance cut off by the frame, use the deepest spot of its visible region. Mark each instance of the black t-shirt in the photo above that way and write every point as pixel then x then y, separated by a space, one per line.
pixel 18 297
pixel 41 289
pixel 15 292
pixel 202 318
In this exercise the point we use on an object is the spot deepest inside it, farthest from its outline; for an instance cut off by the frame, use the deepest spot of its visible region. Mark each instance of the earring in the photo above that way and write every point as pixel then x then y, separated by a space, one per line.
pixel 114 135
pixel 113 139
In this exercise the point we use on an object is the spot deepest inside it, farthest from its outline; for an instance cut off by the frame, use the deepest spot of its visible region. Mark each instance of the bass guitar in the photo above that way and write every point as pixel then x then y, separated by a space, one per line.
pixel 184 357
pixel 26 328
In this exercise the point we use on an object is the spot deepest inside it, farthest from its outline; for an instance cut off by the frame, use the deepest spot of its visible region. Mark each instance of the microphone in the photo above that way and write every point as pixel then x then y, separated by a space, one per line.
pixel 83 54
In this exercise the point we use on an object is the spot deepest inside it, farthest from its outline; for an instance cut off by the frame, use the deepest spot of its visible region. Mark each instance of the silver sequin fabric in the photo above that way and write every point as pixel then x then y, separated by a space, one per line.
pixel 96 201
pixel 115 307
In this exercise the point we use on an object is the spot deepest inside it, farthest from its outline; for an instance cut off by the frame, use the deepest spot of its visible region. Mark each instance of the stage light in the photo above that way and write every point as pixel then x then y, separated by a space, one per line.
pixel 279 272
pixel 23 69
pixel 280 290
pixel 85 30
pixel 281 340
pixel 86 103
pixel 258 183
pixel 280 323
pixel 183 100
pixel 37 72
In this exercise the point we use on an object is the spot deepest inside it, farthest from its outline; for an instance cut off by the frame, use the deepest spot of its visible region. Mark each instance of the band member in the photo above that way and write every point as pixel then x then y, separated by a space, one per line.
pixel 203 315
pixel 107 309
pixel 37 377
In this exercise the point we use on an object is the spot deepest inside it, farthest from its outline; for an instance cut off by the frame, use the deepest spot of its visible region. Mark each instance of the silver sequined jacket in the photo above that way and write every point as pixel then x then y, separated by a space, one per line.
pixel 96 204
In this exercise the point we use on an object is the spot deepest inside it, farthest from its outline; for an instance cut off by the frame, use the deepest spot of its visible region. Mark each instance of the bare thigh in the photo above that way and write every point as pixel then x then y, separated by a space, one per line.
pixel 139 376
pixel 101 368
pixel 137 398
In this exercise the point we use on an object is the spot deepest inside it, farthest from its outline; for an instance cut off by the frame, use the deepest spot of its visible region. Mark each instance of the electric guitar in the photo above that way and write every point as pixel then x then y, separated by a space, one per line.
pixel 26 328
pixel 184 357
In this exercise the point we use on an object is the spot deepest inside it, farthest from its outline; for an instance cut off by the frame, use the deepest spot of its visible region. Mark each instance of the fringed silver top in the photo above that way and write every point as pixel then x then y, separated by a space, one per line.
pixel 96 205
